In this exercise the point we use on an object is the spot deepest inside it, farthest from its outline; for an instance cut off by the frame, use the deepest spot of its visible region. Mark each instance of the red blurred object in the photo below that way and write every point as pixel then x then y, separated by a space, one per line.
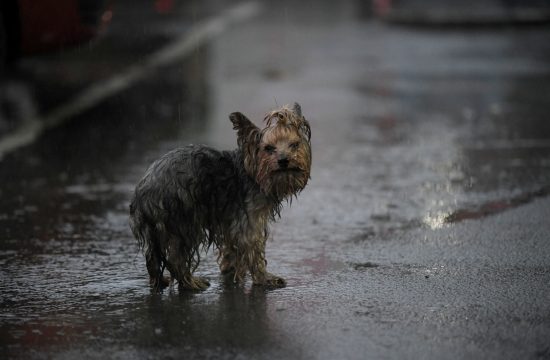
pixel 43 29
pixel 31 26
pixel 164 6
pixel 382 7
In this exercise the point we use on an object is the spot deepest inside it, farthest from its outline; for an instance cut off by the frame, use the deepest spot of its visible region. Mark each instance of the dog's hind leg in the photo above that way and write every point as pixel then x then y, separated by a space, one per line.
pixel 155 267
pixel 155 263
pixel 148 241
pixel 183 259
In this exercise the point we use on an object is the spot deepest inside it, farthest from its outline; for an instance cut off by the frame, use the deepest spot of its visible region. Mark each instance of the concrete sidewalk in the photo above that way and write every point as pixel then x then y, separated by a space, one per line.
pixel 456 12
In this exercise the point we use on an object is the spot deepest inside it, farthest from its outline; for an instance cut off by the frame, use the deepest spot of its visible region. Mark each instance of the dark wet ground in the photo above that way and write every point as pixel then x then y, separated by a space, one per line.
pixel 423 233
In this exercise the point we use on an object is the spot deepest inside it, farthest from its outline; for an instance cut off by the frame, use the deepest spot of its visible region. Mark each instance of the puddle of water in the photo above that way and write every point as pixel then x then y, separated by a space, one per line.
pixel 364 265
pixel 495 207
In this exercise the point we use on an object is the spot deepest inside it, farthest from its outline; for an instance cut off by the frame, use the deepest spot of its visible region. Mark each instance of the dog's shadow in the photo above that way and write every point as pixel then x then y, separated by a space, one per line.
pixel 230 316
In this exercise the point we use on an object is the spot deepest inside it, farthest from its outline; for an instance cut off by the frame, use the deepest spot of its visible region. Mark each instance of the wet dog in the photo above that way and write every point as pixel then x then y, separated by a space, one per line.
pixel 197 197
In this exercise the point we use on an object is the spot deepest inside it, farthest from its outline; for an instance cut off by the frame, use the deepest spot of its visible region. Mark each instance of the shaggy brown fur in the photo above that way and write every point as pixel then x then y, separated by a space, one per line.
pixel 197 197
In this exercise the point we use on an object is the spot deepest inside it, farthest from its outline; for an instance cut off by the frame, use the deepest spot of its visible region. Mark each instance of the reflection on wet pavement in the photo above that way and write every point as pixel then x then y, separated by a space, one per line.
pixel 414 132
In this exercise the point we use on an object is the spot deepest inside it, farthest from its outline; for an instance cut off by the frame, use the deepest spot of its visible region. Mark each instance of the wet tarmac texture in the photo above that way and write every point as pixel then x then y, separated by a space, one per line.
pixel 423 233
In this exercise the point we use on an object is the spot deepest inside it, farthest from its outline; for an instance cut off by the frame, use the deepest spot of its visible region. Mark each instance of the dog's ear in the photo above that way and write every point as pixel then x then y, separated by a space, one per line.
pixel 297 109
pixel 247 132
pixel 303 124
pixel 306 129
pixel 248 139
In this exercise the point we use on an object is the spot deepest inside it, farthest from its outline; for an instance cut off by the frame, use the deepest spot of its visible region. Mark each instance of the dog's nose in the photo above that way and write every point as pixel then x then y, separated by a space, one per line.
pixel 283 162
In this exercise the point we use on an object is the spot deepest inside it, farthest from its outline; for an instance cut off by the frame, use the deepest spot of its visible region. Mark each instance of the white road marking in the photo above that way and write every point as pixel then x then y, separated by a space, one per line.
pixel 96 93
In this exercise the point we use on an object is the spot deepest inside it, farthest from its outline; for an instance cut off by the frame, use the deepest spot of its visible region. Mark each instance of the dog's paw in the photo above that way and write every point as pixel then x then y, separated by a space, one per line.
pixel 195 283
pixel 271 281
pixel 159 283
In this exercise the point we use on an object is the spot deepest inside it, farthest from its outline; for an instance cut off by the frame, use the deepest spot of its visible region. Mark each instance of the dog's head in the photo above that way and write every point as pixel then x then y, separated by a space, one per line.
pixel 277 157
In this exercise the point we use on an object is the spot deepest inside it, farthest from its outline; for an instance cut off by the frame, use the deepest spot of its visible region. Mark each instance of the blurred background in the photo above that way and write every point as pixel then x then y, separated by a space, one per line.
pixel 423 232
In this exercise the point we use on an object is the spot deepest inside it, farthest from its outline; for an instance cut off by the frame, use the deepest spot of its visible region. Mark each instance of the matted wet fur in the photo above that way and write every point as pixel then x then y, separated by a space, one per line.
pixel 197 197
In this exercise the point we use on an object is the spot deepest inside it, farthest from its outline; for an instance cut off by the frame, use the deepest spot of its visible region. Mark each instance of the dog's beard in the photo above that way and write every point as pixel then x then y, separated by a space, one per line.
pixel 283 183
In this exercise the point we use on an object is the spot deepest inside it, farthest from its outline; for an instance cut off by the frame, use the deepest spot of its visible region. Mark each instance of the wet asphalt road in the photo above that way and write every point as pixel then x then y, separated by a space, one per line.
pixel 423 233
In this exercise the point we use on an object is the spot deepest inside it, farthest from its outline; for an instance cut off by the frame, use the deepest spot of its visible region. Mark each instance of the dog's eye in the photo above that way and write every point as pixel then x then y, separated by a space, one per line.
pixel 295 145
pixel 269 148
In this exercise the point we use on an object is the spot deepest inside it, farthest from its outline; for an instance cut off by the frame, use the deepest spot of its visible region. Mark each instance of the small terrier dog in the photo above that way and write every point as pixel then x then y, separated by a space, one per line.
pixel 196 196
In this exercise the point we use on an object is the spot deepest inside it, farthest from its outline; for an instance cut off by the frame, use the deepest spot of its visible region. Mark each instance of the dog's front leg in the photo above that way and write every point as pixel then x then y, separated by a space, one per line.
pixel 258 265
